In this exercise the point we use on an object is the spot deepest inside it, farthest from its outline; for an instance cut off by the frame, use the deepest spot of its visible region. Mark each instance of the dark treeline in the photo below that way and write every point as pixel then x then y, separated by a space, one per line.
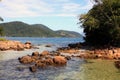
pixel 102 23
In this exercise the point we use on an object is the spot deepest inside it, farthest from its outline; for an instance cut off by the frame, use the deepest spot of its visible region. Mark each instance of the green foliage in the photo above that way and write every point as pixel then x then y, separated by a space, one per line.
pixel 102 23
pixel 3 39
pixel 20 29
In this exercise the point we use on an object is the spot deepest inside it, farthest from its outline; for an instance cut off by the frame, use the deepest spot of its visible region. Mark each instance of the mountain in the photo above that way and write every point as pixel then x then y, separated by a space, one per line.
pixel 21 29
pixel 65 33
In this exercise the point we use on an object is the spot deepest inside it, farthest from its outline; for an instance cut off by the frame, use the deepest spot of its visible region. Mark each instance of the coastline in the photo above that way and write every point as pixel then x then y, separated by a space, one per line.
pixel 83 67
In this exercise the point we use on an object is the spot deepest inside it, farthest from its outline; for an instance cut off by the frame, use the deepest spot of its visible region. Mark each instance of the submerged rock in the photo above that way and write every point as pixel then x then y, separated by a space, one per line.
pixel 117 64
pixel 33 68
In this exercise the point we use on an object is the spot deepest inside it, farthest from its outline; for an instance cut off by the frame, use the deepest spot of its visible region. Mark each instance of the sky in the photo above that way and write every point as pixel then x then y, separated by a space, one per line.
pixel 56 14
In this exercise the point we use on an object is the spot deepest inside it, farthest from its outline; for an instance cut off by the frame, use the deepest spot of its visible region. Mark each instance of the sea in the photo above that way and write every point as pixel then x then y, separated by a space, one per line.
pixel 11 69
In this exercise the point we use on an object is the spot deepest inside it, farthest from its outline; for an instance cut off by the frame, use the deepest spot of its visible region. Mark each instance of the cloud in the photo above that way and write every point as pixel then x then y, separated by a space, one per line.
pixel 70 7
pixel 27 8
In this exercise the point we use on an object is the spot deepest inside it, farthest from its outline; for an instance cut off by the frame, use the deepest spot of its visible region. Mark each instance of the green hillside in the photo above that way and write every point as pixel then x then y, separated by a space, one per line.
pixel 21 29
pixel 65 33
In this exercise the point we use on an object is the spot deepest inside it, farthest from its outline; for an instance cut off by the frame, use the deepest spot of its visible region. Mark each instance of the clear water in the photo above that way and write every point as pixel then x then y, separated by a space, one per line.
pixel 55 41
pixel 11 69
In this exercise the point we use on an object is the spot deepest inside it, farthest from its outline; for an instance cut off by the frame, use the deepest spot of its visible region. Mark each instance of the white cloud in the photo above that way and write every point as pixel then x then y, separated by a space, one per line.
pixel 26 8
pixel 71 7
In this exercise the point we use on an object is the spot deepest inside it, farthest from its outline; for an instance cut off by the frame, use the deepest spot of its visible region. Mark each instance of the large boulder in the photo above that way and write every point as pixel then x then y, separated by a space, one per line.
pixel 11 45
pixel 60 60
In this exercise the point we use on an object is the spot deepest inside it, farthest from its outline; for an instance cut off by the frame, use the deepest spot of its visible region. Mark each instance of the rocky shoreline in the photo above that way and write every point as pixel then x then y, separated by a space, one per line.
pixel 59 57
pixel 14 45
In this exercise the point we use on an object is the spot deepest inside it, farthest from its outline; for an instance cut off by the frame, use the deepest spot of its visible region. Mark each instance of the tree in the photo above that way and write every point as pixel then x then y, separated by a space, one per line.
pixel 102 23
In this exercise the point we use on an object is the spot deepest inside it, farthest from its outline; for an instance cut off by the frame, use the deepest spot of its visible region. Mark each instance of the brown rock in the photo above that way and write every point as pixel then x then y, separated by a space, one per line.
pixel 25 59
pixel 44 53
pixel 49 61
pixel 33 68
pixel 117 64
pixel 35 53
pixel 40 64
pixel 28 42
pixel 68 57
pixel 60 60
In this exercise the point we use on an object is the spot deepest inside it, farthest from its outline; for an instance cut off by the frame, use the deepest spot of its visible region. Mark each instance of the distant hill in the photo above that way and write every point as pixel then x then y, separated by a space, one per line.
pixel 65 33
pixel 21 29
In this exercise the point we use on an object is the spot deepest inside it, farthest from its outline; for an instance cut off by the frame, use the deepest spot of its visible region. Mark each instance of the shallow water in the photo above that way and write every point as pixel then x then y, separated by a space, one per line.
pixel 11 69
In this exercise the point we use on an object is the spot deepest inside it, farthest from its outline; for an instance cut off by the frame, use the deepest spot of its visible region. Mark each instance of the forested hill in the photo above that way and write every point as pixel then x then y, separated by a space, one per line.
pixel 21 29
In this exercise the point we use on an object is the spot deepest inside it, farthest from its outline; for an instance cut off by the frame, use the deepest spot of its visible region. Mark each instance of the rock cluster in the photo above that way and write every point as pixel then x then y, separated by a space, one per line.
pixel 102 54
pixel 42 60
pixel 14 45
pixel 68 50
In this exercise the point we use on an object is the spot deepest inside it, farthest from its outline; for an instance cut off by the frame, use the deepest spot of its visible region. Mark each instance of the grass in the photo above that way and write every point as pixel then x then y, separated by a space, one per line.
pixel 3 39
pixel 100 70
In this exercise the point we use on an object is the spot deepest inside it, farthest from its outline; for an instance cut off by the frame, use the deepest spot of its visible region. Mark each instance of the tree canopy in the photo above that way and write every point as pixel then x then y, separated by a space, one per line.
pixel 102 23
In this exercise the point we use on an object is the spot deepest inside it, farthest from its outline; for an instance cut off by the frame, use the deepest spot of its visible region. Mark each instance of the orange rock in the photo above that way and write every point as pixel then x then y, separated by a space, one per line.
pixel 33 68
pixel 25 59
pixel 28 42
pixel 44 53
pixel 49 61
pixel 60 60
pixel 35 53
pixel 40 64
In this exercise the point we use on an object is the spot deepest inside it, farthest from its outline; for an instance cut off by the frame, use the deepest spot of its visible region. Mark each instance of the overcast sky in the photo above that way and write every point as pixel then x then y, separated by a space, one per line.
pixel 56 14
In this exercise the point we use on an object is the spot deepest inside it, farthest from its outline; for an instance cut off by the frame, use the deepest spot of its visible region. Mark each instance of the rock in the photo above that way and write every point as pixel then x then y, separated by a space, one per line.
pixel 28 42
pixel 25 59
pixel 75 45
pixel 40 64
pixel 48 45
pixel 44 53
pixel 20 46
pixel 28 45
pixel 49 61
pixel 33 68
pixel 60 60
pixel 11 45
pixel 117 64
pixel 68 57
pixel 35 53
pixel 70 51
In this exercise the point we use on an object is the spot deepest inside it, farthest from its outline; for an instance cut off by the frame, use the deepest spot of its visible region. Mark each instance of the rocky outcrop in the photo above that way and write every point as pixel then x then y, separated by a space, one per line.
pixel 14 45
pixel 68 50
pixel 42 60
pixel 60 60
pixel 111 54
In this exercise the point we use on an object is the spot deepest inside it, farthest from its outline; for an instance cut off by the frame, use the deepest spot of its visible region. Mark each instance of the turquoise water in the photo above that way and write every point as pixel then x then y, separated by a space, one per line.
pixel 11 69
